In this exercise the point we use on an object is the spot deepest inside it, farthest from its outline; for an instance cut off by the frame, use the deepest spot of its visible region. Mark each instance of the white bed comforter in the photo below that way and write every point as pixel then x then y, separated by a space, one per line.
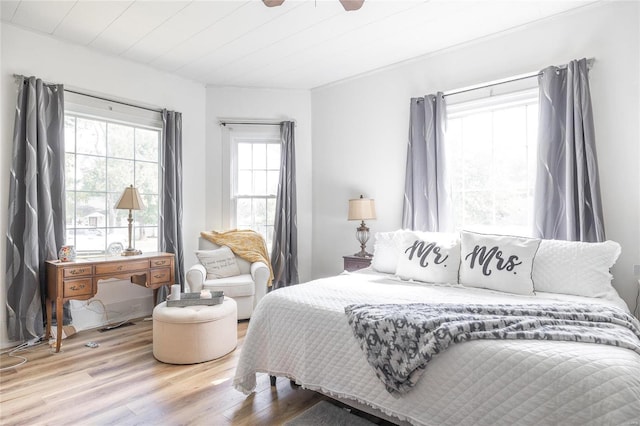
pixel 302 333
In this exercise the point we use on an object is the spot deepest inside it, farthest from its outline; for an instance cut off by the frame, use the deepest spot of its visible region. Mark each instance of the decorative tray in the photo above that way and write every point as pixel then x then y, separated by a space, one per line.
pixel 190 299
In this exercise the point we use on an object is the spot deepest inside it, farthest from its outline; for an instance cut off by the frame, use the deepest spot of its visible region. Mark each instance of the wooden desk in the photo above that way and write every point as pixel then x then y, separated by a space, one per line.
pixel 79 279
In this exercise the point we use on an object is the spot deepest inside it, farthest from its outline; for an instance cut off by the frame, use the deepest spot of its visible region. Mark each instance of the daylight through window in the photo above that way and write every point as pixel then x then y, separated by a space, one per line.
pixel 257 170
pixel 491 149
pixel 102 158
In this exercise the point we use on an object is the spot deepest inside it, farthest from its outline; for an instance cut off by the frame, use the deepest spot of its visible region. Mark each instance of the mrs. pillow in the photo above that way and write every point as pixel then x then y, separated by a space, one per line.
pixel 429 257
pixel 219 263
pixel 574 267
pixel 498 262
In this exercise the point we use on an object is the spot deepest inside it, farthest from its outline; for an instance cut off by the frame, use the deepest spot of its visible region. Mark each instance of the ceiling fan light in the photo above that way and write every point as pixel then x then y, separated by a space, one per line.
pixel 272 3
pixel 351 4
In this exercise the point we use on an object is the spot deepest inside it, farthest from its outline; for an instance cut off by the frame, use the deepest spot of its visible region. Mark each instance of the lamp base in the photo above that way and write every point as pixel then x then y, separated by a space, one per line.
pixel 362 253
pixel 130 252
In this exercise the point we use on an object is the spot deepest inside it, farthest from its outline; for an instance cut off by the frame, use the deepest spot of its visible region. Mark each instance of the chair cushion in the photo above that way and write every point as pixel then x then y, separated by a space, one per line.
pixel 238 286
pixel 219 263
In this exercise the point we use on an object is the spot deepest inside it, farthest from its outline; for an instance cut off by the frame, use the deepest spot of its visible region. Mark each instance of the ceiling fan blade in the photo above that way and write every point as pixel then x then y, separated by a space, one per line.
pixel 352 4
pixel 272 3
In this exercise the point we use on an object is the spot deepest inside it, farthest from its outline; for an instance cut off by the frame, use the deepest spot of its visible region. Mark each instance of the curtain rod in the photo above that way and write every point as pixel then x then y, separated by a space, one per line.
pixel 16 76
pixel 253 123
pixel 113 100
pixel 250 123
pixel 590 62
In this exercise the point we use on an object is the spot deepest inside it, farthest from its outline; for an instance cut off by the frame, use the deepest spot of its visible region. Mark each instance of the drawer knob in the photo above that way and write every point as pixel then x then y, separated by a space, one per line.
pixel 76 288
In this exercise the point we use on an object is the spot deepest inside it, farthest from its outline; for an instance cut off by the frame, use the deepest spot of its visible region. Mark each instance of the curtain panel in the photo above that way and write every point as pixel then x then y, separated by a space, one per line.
pixel 36 216
pixel 567 205
pixel 284 252
pixel 427 203
pixel 170 219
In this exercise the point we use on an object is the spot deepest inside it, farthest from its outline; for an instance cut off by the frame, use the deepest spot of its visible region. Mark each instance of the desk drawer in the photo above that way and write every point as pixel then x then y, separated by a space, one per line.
pixel 79 287
pixel 161 261
pixel 78 271
pixel 118 267
pixel 161 275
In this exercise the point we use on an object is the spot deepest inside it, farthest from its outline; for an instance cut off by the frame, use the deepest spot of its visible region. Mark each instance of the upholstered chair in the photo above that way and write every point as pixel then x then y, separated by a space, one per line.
pixel 246 288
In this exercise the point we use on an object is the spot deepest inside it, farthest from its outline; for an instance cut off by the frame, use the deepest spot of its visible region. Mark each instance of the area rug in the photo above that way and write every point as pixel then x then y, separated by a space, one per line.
pixel 326 414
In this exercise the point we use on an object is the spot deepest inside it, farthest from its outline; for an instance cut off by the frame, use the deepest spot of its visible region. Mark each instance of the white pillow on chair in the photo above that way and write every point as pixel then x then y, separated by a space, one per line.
pixel 219 263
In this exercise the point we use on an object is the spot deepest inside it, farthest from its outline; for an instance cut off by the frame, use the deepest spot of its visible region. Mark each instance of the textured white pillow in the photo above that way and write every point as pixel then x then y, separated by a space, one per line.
pixel 575 267
pixel 498 262
pixel 386 250
pixel 219 263
pixel 430 257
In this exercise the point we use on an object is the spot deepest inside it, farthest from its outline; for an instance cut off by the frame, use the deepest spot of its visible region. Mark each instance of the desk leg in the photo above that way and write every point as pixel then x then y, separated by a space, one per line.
pixel 48 305
pixel 59 320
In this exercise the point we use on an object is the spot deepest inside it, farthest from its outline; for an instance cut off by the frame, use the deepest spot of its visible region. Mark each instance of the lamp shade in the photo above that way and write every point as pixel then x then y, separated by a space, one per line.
pixel 130 199
pixel 362 209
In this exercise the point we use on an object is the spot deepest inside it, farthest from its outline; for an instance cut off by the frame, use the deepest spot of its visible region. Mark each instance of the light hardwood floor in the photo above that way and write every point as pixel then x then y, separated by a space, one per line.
pixel 120 382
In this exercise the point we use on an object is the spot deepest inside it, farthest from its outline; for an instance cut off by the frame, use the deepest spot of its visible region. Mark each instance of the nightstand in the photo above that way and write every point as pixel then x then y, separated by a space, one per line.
pixel 353 263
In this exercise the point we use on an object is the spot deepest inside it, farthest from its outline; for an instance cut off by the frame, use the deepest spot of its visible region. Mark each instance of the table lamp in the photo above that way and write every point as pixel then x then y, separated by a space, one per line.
pixel 362 209
pixel 130 200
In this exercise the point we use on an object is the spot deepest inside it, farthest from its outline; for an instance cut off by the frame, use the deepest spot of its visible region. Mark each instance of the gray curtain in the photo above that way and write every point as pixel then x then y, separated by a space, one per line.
pixel 427 203
pixel 36 224
pixel 284 253
pixel 567 193
pixel 171 194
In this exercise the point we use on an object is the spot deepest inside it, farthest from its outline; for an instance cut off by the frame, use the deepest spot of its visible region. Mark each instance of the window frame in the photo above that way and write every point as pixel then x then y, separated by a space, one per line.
pixel 233 135
pixel 87 107
pixel 488 101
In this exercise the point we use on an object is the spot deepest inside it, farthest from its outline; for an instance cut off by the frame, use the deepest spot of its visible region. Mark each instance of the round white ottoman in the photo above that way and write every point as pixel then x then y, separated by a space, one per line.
pixel 192 334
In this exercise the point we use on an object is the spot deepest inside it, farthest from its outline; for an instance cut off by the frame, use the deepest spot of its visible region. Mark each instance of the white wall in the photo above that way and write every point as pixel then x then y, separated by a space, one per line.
pixel 261 104
pixel 360 126
pixel 29 54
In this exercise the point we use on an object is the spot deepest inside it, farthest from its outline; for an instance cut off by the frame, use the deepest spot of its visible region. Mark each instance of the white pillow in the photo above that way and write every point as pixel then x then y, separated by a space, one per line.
pixel 430 257
pixel 219 263
pixel 386 250
pixel 498 262
pixel 575 267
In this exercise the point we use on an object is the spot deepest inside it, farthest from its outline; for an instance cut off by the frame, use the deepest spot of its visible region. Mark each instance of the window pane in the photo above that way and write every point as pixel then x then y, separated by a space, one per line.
pixel 273 156
pixel 147 145
pixel 91 173
pixel 70 206
pixel 70 134
pixel 244 156
pixel 260 182
pixel 70 171
pixel 245 182
pixel 259 211
pixel 120 174
pixel 272 182
pixel 120 141
pixel 147 178
pixel 148 216
pixel 271 211
pixel 90 136
pixel 259 156
pixel 243 213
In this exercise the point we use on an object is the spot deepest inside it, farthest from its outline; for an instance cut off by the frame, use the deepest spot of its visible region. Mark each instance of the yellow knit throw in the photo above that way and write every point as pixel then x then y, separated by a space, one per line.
pixel 245 243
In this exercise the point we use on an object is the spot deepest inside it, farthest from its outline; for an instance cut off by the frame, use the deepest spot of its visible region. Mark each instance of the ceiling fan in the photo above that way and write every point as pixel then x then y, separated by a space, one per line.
pixel 347 4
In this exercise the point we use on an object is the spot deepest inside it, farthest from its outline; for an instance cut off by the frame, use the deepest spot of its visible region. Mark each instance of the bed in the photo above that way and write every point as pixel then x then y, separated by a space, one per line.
pixel 302 333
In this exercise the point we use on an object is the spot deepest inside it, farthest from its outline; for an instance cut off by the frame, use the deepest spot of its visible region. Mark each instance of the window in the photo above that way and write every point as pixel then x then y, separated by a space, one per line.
pixel 102 157
pixel 255 171
pixel 491 158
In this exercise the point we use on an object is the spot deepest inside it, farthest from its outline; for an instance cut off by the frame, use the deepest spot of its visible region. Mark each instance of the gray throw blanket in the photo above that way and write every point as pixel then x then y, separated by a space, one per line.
pixel 399 340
